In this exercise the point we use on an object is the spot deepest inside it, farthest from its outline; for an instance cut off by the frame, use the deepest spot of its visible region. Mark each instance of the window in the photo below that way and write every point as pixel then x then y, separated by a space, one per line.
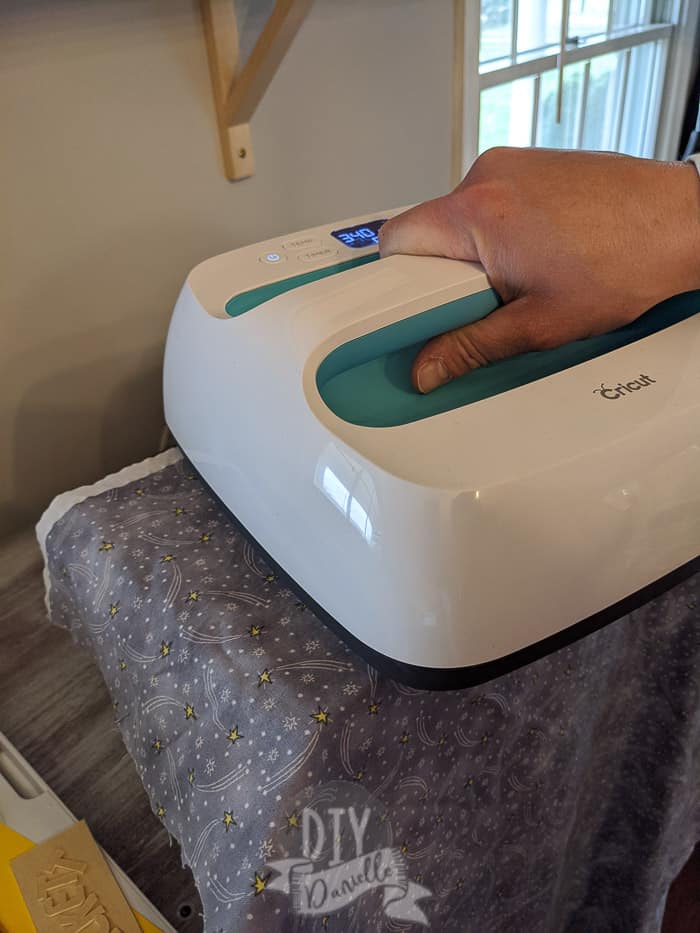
pixel 592 74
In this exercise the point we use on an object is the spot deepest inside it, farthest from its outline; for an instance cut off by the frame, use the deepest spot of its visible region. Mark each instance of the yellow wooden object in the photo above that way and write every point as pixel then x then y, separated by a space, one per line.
pixel 14 916
pixel 238 89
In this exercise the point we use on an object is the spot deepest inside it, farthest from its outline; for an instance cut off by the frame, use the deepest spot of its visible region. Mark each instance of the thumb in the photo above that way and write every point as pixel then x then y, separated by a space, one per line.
pixel 522 325
pixel 434 228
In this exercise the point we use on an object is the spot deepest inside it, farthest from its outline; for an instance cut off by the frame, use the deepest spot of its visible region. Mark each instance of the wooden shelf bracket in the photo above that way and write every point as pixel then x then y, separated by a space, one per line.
pixel 238 89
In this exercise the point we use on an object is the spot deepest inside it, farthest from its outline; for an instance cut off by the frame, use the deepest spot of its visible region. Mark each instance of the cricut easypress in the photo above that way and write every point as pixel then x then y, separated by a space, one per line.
pixel 451 537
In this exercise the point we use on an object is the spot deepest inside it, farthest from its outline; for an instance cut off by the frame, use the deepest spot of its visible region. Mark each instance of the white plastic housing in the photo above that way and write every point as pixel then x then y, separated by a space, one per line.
pixel 459 539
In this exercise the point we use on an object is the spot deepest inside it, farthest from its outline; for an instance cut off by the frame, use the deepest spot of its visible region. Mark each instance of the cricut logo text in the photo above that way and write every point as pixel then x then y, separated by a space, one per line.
pixel 624 388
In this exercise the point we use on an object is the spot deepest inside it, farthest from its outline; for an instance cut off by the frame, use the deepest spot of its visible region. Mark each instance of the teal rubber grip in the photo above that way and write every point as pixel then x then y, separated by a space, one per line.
pixel 367 381
pixel 248 300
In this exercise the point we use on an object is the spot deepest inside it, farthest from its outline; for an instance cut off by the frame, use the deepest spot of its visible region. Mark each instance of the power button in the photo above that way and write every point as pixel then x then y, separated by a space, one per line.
pixel 272 258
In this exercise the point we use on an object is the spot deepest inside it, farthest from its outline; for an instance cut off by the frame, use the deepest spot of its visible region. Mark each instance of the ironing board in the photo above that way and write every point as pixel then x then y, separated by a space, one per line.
pixel 560 797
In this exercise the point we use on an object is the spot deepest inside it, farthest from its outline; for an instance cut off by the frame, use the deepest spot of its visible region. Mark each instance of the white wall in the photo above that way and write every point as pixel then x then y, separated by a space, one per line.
pixel 111 190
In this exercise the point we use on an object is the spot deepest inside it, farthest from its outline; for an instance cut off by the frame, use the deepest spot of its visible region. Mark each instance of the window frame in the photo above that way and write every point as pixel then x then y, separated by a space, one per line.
pixel 680 37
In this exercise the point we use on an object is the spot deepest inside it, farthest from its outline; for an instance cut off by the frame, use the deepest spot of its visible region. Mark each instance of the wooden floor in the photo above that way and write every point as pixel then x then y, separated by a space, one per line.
pixel 56 711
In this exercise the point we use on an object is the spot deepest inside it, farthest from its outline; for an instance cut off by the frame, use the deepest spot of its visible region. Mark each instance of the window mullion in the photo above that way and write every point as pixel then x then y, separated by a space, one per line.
pixel 645 128
pixel 535 110
pixel 583 102
pixel 578 53
pixel 609 27
pixel 652 116
pixel 623 97
pixel 562 55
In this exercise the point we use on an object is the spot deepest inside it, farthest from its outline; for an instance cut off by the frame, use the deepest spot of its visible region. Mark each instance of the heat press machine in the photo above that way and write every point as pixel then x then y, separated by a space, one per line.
pixel 451 537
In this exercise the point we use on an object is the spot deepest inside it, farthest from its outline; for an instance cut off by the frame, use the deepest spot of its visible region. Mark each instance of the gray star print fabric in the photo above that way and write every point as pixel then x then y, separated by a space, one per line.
pixel 309 793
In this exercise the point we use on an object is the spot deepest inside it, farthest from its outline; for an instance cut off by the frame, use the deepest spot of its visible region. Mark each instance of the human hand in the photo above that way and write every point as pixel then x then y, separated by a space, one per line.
pixel 575 243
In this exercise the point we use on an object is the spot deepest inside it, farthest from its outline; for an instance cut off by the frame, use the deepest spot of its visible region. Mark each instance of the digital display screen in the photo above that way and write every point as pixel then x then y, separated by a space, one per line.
pixel 360 235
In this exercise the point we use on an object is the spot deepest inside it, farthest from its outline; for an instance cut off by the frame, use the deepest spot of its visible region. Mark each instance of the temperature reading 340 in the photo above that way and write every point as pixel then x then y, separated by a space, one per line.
pixel 360 235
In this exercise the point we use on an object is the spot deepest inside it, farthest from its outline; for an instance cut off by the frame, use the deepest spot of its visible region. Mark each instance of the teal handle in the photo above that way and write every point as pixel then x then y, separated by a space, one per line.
pixel 367 381
pixel 246 301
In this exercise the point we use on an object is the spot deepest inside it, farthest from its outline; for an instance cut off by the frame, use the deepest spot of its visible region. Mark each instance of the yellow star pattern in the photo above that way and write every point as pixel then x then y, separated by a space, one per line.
pixel 255 631
pixel 228 820
pixel 321 716
pixel 293 821
pixel 234 735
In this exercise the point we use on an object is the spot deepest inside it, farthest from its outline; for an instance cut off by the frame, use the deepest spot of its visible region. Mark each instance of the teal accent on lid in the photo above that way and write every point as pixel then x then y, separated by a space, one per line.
pixel 246 301
pixel 367 381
